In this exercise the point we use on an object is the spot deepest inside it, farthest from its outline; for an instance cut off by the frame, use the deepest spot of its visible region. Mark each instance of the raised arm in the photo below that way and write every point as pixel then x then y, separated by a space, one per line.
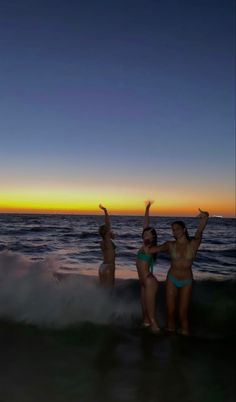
pixel 146 214
pixel 204 215
pixel 107 218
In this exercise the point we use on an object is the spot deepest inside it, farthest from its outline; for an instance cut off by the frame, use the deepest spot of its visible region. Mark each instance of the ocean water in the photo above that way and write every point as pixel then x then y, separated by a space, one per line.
pixel 63 338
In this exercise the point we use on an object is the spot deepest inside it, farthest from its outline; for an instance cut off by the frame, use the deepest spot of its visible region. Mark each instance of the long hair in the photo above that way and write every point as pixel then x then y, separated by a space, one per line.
pixel 154 238
pixel 183 226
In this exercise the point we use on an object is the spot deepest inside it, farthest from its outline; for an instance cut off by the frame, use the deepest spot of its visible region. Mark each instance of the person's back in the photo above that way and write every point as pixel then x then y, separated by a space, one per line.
pixel 107 268
pixel 107 245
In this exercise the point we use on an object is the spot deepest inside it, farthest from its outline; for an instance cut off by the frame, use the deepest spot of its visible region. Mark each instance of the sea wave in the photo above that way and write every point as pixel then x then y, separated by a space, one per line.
pixel 34 292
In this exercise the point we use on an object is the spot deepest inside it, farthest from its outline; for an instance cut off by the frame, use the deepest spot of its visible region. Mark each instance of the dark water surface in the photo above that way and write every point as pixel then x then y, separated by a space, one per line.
pixel 111 364
pixel 63 338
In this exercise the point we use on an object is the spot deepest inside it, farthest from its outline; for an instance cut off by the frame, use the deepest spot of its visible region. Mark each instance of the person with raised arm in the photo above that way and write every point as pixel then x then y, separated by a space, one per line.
pixel 180 277
pixel 148 282
pixel 107 267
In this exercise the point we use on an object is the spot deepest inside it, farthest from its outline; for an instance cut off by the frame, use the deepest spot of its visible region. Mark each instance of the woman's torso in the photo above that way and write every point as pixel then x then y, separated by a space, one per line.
pixel 144 264
pixel 182 256
pixel 108 251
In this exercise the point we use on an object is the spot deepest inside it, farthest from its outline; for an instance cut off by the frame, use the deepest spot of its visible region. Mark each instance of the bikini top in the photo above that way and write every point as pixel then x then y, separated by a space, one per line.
pixel 176 256
pixel 147 258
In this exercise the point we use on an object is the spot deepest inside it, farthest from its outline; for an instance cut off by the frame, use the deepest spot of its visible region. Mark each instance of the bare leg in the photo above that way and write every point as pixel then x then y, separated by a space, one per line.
pixel 107 277
pixel 184 299
pixel 101 277
pixel 110 277
pixel 171 296
pixel 151 286
pixel 145 316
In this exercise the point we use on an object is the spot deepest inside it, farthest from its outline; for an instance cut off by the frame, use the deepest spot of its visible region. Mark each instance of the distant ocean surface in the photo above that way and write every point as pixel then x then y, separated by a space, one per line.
pixel 63 338
pixel 73 242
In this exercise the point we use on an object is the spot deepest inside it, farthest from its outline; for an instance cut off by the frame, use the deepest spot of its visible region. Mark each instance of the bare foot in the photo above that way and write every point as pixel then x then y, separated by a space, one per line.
pixel 155 330
pixel 170 330
pixel 145 324
pixel 183 332
pixel 154 327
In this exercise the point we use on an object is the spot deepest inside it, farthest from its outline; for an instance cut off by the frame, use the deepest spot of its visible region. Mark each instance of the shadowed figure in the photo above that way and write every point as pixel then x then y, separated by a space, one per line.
pixel 107 267
pixel 179 278
pixel 148 282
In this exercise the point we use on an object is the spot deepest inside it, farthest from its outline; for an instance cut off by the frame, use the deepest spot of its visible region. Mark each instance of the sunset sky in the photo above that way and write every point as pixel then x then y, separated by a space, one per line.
pixel 117 102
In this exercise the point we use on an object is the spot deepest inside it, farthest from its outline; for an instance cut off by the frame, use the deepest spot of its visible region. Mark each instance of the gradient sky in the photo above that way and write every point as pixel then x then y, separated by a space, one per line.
pixel 117 101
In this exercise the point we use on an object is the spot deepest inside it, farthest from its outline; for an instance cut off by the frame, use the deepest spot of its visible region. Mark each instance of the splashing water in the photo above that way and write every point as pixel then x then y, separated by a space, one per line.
pixel 32 292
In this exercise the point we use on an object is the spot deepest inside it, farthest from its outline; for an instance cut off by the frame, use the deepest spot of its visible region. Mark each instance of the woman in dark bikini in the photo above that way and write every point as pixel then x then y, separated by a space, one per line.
pixel 148 282
pixel 179 278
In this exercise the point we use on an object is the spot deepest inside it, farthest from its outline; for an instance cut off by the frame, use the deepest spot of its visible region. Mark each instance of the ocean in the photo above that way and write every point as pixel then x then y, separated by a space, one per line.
pixel 63 338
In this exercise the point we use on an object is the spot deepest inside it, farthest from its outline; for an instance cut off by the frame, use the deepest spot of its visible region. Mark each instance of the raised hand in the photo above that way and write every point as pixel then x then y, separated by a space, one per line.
pixel 148 203
pixel 203 214
pixel 102 207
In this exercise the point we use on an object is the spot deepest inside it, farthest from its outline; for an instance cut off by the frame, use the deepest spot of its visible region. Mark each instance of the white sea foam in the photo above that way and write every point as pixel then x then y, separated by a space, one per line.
pixel 32 292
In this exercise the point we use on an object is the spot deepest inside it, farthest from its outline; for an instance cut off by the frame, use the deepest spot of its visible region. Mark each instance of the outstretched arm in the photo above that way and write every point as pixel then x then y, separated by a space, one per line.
pixel 107 218
pixel 204 215
pixel 146 215
pixel 162 248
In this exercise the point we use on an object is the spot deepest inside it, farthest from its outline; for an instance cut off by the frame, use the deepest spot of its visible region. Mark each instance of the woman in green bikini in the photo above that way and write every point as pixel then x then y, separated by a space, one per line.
pixel 148 282
pixel 179 278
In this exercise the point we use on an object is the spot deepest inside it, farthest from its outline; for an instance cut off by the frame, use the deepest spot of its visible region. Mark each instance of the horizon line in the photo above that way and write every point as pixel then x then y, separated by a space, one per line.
pixel 110 214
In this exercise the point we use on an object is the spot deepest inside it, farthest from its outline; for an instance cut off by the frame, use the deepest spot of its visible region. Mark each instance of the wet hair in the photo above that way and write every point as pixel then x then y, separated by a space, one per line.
pixel 102 230
pixel 154 238
pixel 183 226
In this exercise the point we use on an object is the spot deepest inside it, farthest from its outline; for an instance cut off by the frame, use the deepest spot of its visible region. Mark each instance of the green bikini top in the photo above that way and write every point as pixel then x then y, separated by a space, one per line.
pixel 147 258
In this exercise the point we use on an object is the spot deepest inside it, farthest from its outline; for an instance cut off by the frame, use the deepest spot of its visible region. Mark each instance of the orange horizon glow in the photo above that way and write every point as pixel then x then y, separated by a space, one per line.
pixel 123 202
pixel 190 211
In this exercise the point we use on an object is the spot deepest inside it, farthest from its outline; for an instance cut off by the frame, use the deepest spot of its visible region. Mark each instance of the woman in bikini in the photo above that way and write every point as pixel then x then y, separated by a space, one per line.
pixel 107 267
pixel 179 278
pixel 148 282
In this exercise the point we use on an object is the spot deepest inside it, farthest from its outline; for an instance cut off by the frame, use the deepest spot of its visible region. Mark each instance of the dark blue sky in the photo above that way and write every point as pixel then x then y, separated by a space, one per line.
pixel 119 90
